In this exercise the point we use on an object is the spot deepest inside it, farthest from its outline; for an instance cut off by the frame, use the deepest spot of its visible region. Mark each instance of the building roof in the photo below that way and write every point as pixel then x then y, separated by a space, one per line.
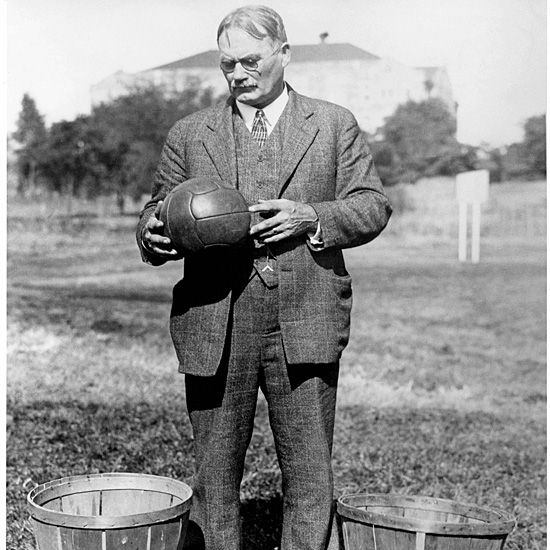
pixel 300 54
pixel 329 52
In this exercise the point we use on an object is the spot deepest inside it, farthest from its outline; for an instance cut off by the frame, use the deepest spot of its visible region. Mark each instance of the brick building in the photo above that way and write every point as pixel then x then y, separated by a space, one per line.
pixel 370 86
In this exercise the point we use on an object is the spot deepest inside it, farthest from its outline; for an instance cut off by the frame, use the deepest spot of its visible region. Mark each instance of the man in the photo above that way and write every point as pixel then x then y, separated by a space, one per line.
pixel 275 313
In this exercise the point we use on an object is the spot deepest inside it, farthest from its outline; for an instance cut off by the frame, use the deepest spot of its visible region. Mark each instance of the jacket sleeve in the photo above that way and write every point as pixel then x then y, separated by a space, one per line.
pixel 171 171
pixel 361 209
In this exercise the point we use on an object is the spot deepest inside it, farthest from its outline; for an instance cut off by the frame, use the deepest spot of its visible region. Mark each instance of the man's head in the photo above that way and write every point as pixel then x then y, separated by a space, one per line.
pixel 253 54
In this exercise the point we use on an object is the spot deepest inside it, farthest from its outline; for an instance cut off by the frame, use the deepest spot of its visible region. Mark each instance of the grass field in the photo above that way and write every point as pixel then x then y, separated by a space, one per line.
pixel 442 390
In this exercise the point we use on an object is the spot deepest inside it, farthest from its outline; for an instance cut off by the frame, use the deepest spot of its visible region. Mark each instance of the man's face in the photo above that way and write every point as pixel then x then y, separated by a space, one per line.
pixel 257 87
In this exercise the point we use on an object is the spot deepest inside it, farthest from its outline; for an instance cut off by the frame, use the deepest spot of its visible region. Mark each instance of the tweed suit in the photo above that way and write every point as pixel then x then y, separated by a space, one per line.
pixel 325 163
pixel 235 331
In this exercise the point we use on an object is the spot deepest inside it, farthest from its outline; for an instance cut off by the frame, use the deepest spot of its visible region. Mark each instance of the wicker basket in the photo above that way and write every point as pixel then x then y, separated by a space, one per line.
pixel 392 522
pixel 110 512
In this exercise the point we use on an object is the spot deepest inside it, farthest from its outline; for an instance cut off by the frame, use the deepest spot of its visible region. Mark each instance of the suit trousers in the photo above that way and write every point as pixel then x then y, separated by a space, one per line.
pixel 301 404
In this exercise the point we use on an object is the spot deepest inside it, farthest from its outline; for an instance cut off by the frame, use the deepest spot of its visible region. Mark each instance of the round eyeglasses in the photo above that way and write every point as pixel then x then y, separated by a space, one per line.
pixel 248 63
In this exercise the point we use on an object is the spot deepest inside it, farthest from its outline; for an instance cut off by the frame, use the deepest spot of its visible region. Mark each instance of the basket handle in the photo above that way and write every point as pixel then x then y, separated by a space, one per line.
pixel 29 484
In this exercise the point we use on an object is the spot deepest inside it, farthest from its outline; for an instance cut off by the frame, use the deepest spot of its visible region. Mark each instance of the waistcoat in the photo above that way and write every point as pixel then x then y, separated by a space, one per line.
pixel 258 172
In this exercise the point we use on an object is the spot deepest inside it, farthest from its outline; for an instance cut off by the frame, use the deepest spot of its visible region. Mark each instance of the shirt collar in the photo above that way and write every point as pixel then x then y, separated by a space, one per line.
pixel 272 112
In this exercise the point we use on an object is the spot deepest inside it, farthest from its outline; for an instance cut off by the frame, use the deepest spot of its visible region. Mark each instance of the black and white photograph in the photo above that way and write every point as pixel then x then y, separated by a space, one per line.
pixel 275 275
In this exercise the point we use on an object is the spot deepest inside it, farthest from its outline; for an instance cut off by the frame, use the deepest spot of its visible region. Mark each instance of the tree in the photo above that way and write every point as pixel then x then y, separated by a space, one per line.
pixel 30 136
pixel 534 145
pixel 527 159
pixel 385 161
pixel 69 164
pixel 133 129
pixel 115 150
pixel 418 140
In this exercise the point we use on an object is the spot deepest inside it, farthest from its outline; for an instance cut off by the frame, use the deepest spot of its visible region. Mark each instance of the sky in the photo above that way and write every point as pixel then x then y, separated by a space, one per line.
pixel 494 50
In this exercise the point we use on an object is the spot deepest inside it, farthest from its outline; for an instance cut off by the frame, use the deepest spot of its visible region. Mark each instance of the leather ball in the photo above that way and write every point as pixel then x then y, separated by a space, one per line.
pixel 204 213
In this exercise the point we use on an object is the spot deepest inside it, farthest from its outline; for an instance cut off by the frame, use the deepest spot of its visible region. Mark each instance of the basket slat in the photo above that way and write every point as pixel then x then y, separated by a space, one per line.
pixel 357 535
pixel 129 502
pixel 125 502
pixel 158 501
pixel 81 504
pixel 463 543
pixel 445 543
pixel 487 544
pixel 127 539
pixel 393 539
pixel 47 537
pixel 166 535
pixel 80 539
pixel 54 504
pixel 420 541
pixel 428 515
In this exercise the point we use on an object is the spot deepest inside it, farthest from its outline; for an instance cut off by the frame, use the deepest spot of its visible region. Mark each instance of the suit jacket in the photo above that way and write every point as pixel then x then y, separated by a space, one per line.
pixel 327 164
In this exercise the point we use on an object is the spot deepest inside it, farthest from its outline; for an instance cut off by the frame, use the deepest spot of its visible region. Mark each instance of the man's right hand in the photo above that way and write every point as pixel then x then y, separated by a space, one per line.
pixel 154 240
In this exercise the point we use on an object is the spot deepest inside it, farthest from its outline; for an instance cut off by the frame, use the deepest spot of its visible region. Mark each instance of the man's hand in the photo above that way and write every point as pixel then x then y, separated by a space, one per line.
pixel 154 240
pixel 284 219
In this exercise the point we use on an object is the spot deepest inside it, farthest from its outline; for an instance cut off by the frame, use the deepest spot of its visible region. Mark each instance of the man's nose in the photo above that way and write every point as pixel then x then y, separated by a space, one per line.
pixel 239 73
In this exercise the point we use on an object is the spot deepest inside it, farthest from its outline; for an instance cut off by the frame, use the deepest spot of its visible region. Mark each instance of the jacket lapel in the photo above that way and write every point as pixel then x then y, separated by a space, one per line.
pixel 219 142
pixel 300 132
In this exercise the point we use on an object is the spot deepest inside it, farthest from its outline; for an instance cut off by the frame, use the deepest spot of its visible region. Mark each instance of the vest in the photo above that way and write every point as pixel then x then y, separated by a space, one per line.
pixel 258 172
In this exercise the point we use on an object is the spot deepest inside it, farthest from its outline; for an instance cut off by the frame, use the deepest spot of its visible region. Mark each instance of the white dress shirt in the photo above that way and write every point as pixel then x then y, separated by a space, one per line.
pixel 272 112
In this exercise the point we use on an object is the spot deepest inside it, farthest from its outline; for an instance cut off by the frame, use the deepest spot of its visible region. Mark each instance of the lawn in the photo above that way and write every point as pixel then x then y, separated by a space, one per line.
pixel 442 390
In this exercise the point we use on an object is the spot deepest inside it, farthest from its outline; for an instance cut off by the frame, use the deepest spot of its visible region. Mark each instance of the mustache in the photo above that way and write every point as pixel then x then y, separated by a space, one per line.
pixel 238 86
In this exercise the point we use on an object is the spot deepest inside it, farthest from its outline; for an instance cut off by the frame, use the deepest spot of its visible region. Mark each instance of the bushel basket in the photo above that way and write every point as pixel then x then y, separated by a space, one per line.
pixel 393 522
pixel 116 511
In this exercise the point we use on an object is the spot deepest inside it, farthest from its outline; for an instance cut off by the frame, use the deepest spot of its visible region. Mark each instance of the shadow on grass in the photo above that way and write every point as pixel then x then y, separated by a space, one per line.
pixel 262 521
pixel 94 292
pixel 261 526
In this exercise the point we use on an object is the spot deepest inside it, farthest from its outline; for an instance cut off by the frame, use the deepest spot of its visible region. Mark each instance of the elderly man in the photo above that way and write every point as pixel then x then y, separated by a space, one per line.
pixel 273 315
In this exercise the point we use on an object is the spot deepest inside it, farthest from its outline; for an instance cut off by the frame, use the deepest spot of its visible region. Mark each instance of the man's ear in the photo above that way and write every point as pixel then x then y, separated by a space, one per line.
pixel 285 50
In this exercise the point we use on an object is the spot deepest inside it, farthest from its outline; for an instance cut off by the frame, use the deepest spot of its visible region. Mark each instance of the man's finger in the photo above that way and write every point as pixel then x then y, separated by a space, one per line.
pixel 164 241
pixel 273 237
pixel 170 252
pixel 161 245
pixel 154 223
pixel 266 225
pixel 263 207
pixel 276 205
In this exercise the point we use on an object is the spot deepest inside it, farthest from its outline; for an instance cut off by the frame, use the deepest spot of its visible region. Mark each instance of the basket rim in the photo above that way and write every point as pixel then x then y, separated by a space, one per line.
pixel 105 482
pixel 501 523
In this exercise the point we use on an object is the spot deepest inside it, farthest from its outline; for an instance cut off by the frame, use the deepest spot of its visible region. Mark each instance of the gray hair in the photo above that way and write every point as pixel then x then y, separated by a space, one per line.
pixel 258 21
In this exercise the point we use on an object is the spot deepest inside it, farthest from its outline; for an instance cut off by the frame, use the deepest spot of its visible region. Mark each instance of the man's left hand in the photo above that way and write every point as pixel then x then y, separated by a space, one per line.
pixel 284 219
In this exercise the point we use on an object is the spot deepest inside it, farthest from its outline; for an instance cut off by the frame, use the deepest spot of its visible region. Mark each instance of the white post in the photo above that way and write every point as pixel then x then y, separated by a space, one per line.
pixel 476 231
pixel 462 230
pixel 471 188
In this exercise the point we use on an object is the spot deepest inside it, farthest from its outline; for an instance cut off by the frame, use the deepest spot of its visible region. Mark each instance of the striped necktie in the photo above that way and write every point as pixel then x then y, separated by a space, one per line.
pixel 259 128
